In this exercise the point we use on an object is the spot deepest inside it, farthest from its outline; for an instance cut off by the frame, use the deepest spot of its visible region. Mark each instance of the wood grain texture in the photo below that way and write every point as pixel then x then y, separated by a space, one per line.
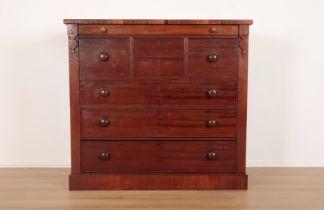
pixel 74 78
pixel 158 47
pixel 225 65
pixel 118 61
pixel 269 189
pixel 158 68
pixel 158 123
pixel 154 22
pixel 157 182
pixel 242 98
pixel 145 93
pixel 158 156
pixel 159 29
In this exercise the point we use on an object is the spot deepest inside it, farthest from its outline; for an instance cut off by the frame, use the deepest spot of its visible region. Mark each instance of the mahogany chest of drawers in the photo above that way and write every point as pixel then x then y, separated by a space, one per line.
pixel 158 104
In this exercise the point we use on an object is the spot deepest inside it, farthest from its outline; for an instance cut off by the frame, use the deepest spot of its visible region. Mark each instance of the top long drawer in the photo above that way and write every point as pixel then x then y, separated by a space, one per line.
pixel 100 94
pixel 230 30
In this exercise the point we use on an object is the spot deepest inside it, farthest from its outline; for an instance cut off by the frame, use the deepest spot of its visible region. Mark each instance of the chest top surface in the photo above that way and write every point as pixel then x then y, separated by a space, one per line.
pixel 156 22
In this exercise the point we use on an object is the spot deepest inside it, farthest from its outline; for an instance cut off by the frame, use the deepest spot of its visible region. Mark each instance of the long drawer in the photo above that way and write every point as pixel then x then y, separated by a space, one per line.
pixel 159 29
pixel 158 156
pixel 157 123
pixel 101 94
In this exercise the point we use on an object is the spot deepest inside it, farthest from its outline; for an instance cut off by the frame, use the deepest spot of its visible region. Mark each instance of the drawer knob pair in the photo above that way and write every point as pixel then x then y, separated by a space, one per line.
pixel 104 156
pixel 212 93
pixel 211 123
pixel 104 92
pixel 212 57
pixel 104 122
pixel 211 155
pixel 103 56
pixel 213 30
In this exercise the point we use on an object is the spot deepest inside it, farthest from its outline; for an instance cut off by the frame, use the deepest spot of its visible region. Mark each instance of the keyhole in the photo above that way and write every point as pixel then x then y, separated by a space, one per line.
pixel 157 85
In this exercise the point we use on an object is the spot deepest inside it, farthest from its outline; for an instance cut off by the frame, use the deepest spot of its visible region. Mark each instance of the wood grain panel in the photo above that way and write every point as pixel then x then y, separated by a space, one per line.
pixel 159 29
pixel 74 77
pixel 158 123
pixel 224 67
pixel 144 93
pixel 158 47
pixel 117 64
pixel 158 156
pixel 158 68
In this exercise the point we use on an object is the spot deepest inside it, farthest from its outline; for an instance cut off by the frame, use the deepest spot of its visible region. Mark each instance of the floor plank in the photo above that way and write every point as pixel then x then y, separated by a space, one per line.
pixel 269 189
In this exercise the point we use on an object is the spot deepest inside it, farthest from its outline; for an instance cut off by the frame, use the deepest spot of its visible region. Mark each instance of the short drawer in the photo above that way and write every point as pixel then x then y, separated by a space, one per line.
pixel 213 58
pixel 158 67
pixel 159 29
pixel 104 57
pixel 158 156
pixel 158 47
pixel 100 94
pixel 157 123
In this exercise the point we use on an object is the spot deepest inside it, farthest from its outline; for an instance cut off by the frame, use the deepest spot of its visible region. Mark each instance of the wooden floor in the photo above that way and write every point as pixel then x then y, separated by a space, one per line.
pixel 269 189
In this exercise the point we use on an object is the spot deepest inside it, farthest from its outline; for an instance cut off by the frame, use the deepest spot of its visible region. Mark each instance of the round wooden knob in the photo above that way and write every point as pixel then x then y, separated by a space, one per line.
pixel 211 123
pixel 103 29
pixel 212 30
pixel 104 92
pixel 212 93
pixel 211 155
pixel 103 56
pixel 212 58
pixel 104 156
pixel 104 122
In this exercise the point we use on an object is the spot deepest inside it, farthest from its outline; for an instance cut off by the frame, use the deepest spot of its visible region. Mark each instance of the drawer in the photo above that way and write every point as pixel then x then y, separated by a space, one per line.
pixel 158 156
pixel 158 67
pixel 213 58
pixel 159 29
pixel 158 47
pixel 102 94
pixel 104 57
pixel 157 123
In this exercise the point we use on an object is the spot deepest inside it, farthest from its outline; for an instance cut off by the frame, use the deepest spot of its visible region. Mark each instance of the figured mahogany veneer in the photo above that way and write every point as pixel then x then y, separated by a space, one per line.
pixel 158 123
pixel 159 29
pixel 102 93
pixel 157 156
pixel 158 104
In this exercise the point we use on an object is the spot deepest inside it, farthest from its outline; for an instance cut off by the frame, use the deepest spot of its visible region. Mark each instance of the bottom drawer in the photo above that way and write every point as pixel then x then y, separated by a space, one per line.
pixel 158 156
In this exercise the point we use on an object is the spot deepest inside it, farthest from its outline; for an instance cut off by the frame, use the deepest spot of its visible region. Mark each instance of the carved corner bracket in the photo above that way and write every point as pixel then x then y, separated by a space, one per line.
pixel 73 39
pixel 243 43
pixel 243 38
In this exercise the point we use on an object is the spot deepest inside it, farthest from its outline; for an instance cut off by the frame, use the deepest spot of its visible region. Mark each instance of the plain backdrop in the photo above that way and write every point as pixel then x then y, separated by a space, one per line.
pixel 286 74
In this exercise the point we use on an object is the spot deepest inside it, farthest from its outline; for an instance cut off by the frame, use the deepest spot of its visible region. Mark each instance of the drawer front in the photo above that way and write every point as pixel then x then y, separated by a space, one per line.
pixel 213 58
pixel 159 29
pixel 158 47
pixel 158 156
pixel 104 57
pixel 157 123
pixel 158 67
pixel 100 94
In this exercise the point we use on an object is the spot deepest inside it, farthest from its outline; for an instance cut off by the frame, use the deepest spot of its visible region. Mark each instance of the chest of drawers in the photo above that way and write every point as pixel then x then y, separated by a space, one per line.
pixel 158 104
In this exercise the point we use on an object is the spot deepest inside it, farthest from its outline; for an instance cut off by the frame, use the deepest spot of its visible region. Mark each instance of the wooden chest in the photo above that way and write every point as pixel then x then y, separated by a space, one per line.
pixel 158 104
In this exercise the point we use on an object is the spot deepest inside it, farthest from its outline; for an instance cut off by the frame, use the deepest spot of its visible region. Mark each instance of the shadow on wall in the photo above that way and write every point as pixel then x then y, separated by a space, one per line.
pixel 268 100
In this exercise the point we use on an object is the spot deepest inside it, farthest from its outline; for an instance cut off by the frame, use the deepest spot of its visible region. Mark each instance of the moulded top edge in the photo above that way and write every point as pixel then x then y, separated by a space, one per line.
pixel 157 22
